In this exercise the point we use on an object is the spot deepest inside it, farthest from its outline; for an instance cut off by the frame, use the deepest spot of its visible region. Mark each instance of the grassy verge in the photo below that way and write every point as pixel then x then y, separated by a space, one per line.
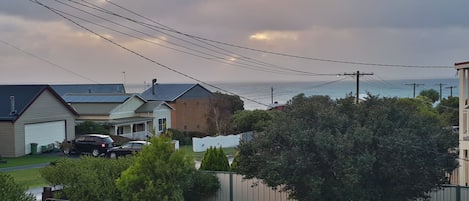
pixel 28 160
pixel 31 178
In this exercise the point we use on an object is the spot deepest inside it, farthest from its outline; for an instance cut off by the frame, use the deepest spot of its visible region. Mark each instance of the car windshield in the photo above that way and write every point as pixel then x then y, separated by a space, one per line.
pixel 108 140
pixel 127 145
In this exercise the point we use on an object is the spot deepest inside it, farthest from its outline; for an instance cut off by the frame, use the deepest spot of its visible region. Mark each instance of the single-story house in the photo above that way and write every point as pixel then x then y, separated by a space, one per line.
pixel 33 114
pixel 190 103
pixel 127 115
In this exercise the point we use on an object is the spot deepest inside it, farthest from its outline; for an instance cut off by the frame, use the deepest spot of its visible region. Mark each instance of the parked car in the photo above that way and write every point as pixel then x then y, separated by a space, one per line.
pixel 126 149
pixel 94 144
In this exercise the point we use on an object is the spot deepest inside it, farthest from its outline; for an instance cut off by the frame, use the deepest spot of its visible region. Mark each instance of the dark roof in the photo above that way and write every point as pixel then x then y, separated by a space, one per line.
pixel 96 98
pixel 150 105
pixel 24 96
pixel 168 92
pixel 88 88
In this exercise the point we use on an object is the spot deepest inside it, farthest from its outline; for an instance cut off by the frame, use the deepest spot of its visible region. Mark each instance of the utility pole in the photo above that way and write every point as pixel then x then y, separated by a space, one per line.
pixel 451 90
pixel 357 74
pixel 441 93
pixel 272 95
pixel 415 85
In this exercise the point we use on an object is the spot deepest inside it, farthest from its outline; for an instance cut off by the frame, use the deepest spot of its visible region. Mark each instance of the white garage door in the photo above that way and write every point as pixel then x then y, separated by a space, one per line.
pixel 43 134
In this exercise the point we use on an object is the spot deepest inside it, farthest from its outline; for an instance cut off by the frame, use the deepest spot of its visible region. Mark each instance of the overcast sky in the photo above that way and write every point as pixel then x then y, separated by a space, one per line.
pixel 229 41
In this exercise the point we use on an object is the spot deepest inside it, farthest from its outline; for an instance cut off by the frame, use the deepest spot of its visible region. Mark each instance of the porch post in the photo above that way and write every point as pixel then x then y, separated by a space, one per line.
pixel 132 130
pixel 115 129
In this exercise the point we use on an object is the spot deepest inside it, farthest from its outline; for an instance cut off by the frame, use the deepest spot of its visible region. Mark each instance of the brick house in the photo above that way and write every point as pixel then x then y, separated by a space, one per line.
pixel 191 103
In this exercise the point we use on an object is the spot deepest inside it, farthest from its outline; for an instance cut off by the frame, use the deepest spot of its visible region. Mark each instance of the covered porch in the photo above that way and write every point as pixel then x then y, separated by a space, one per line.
pixel 136 128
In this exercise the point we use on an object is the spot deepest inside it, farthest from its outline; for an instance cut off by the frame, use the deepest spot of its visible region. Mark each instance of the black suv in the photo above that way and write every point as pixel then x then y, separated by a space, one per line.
pixel 94 144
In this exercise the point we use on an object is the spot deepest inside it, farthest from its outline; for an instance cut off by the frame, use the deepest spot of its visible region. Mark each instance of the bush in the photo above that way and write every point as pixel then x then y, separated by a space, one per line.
pixel 201 185
pixel 11 191
pixel 215 160
pixel 87 178
pixel 159 173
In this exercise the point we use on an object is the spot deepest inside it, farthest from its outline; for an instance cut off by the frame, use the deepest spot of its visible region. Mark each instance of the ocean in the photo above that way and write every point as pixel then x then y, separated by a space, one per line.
pixel 257 95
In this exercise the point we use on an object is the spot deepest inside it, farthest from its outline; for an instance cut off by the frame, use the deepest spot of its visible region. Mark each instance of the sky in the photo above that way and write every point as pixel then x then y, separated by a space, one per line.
pixel 212 41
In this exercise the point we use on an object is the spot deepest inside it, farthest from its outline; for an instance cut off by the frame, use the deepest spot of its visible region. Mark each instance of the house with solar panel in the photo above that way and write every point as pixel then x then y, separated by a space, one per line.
pixel 31 117
pixel 127 115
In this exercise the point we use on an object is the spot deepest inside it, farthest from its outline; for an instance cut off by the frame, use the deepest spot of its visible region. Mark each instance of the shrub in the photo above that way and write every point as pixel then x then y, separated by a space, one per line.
pixel 201 185
pixel 215 160
pixel 87 178
pixel 11 191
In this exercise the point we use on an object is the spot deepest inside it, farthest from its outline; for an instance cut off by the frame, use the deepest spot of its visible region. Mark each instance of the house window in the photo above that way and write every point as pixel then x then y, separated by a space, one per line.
pixel 161 124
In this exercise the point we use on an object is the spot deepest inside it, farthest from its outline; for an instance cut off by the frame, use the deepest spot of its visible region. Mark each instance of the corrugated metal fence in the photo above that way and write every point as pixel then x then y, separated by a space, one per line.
pixel 234 188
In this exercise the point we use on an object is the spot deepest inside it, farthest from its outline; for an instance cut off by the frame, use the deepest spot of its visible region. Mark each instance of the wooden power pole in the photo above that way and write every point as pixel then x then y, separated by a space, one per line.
pixel 357 74
pixel 415 85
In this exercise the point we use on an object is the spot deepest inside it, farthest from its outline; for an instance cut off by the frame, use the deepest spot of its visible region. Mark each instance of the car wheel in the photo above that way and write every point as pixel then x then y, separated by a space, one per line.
pixel 113 155
pixel 95 153
pixel 66 151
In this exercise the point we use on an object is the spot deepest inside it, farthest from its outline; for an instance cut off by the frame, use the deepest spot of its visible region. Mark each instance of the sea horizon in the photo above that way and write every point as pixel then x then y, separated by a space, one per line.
pixel 258 95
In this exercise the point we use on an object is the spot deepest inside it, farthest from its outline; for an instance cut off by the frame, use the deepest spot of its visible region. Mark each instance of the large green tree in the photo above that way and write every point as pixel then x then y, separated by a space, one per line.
pixel 323 149
pixel 252 120
pixel 432 94
pixel 162 173
pixel 222 107
pixel 11 191
pixel 448 108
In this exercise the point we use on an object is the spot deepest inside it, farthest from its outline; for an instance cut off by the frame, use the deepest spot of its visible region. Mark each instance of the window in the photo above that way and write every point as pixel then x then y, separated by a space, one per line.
pixel 161 124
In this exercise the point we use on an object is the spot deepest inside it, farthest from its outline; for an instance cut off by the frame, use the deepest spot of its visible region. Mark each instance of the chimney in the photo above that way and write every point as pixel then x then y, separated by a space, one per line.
pixel 12 106
pixel 153 82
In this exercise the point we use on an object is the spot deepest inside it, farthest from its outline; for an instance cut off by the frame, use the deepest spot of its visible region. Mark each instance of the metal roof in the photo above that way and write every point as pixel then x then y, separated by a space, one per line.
pixel 24 96
pixel 88 88
pixel 167 92
pixel 150 105
pixel 96 98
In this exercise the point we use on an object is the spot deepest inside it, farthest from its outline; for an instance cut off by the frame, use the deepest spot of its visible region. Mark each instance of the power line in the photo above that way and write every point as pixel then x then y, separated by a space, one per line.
pixel 136 53
pixel 47 61
pixel 357 74
pixel 414 86
pixel 278 69
pixel 166 28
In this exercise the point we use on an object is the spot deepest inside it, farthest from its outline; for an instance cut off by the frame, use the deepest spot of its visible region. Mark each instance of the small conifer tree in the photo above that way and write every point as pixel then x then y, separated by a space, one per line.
pixel 215 160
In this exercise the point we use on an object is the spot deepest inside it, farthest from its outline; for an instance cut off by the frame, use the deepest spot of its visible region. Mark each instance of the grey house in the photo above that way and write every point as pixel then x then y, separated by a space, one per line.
pixel 33 114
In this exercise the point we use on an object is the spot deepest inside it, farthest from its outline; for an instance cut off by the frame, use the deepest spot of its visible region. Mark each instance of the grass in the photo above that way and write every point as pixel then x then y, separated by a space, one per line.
pixel 31 178
pixel 28 160
pixel 199 155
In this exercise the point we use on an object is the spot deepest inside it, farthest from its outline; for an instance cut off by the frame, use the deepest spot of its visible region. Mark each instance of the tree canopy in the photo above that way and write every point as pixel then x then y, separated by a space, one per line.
pixel 255 120
pixel 323 149
pixel 222 107
pixel 432 94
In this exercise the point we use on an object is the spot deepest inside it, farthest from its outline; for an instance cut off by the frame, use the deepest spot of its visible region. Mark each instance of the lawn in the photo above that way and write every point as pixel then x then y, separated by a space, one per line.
pixel 199 155
pixel 31 178
pixel 28 160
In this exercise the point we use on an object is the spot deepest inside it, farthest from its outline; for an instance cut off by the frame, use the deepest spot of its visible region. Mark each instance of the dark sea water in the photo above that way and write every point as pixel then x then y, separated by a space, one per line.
pixel 257 95
pixel 284 91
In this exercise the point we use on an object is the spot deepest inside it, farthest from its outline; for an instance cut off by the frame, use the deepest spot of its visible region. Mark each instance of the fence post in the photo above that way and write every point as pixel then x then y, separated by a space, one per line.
pixel 231 186
pixel 458 193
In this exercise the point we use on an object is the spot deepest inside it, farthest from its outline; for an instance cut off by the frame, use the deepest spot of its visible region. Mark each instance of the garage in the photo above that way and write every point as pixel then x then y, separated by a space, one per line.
pixel 43 134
